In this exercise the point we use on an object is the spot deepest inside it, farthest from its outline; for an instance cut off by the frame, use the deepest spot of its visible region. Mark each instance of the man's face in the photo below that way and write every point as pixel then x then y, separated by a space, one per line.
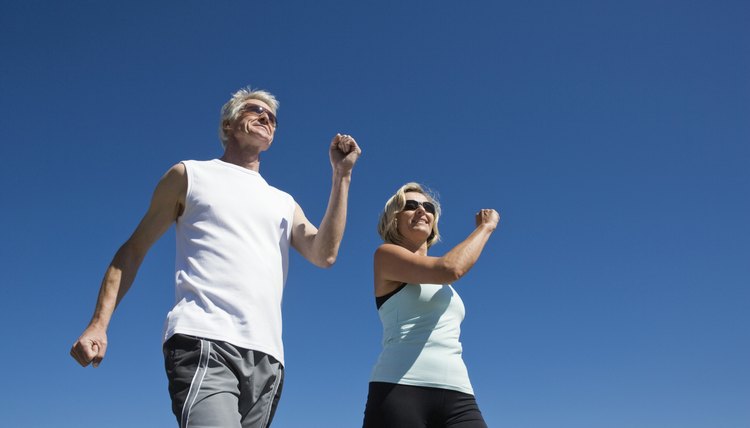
pixel 256 124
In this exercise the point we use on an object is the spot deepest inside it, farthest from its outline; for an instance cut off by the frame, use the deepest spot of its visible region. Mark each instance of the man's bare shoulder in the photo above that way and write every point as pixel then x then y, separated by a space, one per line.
pixel 172 187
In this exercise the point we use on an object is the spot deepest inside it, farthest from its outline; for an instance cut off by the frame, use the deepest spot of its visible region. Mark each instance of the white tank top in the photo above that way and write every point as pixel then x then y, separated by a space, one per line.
pixel 231 259
pixel 421 347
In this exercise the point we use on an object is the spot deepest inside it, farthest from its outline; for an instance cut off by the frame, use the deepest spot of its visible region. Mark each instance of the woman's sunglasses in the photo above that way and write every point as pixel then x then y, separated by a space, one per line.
pixel 260 110
pixel 412 205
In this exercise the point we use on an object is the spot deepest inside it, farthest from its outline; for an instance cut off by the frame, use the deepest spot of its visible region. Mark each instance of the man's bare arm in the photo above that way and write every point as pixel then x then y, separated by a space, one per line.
pixel 321 245
pixel 166 205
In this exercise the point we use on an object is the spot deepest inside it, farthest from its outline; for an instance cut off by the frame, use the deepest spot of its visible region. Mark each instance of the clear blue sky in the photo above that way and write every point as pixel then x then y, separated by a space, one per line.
pixel 614 137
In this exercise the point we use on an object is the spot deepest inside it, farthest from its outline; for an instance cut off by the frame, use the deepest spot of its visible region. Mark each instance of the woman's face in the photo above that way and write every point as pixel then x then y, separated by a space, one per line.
pixel 415 221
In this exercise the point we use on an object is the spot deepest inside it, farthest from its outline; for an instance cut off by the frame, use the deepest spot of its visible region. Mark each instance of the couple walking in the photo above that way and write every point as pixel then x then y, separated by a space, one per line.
pixel 223 351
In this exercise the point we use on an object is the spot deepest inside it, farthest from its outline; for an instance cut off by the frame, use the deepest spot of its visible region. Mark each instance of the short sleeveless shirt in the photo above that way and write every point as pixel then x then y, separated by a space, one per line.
pixel 421 347
pixel 232 256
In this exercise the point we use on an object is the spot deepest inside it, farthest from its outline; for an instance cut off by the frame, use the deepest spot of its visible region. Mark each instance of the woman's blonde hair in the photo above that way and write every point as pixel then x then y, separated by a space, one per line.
pixel 387 226
pixel 232 109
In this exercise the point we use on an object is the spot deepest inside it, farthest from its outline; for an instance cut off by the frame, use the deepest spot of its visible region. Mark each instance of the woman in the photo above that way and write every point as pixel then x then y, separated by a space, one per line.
pixel 420 379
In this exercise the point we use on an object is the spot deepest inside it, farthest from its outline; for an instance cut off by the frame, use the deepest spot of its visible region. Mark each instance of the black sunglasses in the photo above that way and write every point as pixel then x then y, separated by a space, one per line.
pixel 412 205
pixel 260 110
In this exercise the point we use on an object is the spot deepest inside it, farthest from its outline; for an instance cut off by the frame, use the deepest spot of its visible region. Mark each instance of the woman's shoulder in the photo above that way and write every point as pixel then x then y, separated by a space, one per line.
pixel 388 252
pixel 386 246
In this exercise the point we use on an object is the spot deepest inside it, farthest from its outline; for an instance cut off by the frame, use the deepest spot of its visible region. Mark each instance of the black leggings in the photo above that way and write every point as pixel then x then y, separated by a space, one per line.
pixel 403 406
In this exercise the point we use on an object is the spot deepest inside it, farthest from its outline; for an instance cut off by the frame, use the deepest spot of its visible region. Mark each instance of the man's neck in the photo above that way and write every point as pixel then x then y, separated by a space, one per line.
pixel 247 159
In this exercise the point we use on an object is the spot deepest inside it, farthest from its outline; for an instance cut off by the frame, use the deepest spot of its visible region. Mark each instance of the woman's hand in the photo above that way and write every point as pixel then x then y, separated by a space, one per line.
pixel 489 217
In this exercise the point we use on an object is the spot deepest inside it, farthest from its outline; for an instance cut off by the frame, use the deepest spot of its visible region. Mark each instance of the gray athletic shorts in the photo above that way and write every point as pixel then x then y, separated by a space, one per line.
pixel 216 384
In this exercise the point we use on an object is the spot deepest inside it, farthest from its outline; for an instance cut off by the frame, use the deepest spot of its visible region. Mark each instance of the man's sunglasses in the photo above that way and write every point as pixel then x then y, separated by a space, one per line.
pixel 412 205
pixel 260 110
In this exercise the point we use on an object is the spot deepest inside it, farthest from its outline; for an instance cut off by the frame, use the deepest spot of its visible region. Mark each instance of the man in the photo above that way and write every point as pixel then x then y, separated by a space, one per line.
pixel 223 351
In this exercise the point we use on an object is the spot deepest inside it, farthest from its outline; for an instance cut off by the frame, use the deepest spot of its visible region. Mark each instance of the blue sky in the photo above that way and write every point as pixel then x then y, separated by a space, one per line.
pixel 613 137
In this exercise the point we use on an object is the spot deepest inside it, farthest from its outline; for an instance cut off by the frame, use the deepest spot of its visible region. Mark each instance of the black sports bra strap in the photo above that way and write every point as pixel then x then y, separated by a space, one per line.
pixel 382 299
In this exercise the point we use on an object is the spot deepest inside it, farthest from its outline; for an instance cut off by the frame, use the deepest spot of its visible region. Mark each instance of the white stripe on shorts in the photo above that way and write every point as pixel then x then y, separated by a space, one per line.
pixel 273 395
pixel 200 373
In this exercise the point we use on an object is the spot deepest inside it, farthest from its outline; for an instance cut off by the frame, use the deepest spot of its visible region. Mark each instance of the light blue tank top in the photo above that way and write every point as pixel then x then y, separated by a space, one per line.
pixel 421 347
